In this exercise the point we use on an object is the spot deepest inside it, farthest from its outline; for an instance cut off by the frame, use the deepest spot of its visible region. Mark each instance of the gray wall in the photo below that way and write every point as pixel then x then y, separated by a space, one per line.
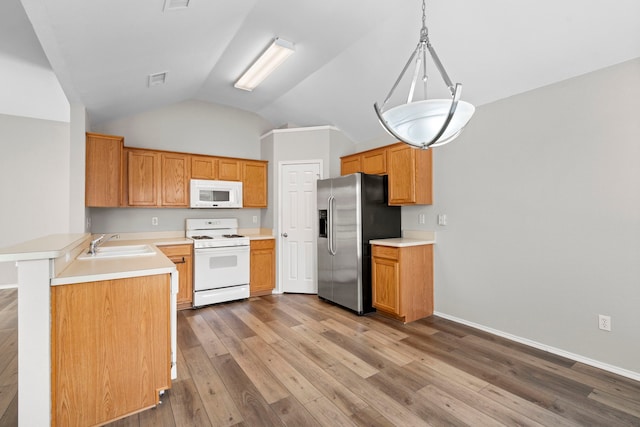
pixel 191 127
pixel 542 195
pixel 34 177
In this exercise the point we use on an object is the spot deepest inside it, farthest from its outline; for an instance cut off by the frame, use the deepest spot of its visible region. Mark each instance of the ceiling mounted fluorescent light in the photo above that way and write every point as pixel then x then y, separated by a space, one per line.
pixel 158 79
pixel 175 4
pixel 270 59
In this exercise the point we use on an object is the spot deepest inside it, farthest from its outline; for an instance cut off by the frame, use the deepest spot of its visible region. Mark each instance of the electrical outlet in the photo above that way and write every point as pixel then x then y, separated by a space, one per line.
pixel 604 322
pixel 255 219
pixel 154 220
pixel 421 219
pixel 442 219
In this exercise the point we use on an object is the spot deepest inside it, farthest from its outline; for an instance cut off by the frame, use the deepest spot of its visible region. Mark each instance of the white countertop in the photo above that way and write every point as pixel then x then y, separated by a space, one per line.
pixel 90 270
pixel 409 238
pixel 52 246
pixel 400 242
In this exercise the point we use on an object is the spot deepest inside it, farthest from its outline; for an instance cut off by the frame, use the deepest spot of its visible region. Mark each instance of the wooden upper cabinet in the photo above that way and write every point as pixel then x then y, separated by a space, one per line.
pixel 350 164
pixel 103 172
pixel 204 167
pixel 408 168
pixel 410 175
pixel 375 161
pixel 138 177
pixel 254 184
pixel 372 162
pixel 229 169
pixel 143 177
pixel 174 175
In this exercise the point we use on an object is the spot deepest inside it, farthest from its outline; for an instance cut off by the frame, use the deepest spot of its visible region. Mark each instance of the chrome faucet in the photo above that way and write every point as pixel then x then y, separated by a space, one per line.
pixel 93 246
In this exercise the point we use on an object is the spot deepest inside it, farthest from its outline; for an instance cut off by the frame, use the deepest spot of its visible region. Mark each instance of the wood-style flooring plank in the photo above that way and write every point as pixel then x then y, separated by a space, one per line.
pixel 254 408
pixel 327 413
pixel 332 389
pixel 207 338
pixel 221 409
pixel 296 383
pixel 187 406
pixel 297 360
pixel 293 413
pixel 349 359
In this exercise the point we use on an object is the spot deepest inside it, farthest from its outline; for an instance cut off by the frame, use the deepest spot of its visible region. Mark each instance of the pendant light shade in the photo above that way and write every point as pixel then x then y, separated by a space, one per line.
pixel 430 122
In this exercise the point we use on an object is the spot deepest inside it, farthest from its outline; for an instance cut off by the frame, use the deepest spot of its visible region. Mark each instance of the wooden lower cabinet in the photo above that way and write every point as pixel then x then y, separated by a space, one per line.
pixel 402 281
pixel 110 348
pixel 182 257
pixel 262 276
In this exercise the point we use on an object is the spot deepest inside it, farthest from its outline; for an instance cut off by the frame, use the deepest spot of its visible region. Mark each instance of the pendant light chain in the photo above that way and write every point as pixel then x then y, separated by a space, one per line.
pixel 424 40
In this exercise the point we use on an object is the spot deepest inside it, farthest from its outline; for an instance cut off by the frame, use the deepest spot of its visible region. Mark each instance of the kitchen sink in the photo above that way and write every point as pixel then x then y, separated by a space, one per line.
pixel 119 251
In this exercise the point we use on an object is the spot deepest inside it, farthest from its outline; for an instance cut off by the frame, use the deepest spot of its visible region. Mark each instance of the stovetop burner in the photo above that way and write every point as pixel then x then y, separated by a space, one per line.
pixel 232 235
pixel 201 237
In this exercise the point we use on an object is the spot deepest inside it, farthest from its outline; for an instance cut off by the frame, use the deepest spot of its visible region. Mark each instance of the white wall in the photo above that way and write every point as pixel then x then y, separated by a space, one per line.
pixel 34 177
pixel 542 195
pixel 192 127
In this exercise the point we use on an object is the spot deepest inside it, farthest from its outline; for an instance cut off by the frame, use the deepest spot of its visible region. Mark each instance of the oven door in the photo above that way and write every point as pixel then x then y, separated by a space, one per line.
pixel 220 267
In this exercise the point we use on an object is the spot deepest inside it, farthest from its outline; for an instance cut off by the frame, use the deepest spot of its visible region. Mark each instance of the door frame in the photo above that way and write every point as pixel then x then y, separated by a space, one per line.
pixel 279 240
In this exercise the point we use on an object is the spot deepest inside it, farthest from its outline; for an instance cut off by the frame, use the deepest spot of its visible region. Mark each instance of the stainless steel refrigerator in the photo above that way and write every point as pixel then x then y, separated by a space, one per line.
pixel 352 210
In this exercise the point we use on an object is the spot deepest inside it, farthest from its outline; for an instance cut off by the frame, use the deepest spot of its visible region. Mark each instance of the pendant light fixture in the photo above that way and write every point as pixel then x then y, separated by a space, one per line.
pixel 429 122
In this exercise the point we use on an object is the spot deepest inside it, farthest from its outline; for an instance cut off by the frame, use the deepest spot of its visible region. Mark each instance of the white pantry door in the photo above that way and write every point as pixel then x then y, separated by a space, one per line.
pixel 298 227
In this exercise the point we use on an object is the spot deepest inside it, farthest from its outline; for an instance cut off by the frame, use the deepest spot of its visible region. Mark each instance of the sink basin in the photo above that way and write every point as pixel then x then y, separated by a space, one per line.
pixel 119 251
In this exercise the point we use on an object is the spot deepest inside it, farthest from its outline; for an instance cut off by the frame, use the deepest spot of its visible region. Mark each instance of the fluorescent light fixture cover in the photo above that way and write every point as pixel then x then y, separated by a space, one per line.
pixel 271 59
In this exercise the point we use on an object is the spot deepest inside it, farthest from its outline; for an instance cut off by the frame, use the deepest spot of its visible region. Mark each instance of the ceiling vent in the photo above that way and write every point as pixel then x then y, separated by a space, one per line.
pixel 157 79
pixel 175 4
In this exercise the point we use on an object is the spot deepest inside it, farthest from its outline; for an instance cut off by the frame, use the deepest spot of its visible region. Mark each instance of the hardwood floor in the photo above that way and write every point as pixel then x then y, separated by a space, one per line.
pixel 295 360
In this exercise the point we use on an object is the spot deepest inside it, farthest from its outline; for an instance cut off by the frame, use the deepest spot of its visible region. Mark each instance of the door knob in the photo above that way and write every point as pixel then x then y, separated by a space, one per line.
pixel 284 235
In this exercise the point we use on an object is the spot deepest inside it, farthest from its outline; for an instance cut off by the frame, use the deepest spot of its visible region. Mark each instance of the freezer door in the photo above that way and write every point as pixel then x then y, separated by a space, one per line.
pixel 325 260
pixel 347 241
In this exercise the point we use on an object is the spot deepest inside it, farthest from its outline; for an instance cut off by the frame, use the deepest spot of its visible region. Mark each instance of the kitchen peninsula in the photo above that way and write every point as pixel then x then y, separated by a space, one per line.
pixel 64 302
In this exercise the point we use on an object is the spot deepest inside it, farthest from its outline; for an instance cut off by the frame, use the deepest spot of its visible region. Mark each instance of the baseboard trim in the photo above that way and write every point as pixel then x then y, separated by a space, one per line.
pixel 576 357
pixel 9 286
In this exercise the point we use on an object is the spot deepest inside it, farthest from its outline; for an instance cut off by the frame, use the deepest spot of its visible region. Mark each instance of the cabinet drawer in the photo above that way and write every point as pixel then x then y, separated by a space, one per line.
pixel 176 250
pixel 385 252
pixel 263 244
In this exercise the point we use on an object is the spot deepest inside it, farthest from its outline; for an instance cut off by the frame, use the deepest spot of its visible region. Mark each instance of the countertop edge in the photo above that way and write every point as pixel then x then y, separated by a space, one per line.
pixel 401 242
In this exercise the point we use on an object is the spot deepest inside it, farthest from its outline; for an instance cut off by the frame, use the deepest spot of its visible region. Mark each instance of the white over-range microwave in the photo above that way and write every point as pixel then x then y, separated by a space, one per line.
pixel 207 193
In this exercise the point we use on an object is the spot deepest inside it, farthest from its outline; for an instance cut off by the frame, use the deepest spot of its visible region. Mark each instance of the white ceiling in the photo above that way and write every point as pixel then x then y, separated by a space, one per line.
pixel 348 53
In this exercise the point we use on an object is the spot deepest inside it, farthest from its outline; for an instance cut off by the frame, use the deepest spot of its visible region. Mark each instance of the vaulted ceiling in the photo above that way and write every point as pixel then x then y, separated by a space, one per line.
pixel 348 53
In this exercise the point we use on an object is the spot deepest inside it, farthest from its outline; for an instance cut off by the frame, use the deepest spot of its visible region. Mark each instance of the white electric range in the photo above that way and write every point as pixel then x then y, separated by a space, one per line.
pixel 221 260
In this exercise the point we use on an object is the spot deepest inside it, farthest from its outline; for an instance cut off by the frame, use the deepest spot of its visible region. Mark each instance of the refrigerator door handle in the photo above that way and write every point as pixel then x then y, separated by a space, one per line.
pixel 330 233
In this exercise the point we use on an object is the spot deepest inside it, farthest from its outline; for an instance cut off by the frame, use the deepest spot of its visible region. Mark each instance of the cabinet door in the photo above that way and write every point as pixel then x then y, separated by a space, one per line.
pixel 262 276
pixel 229 169
pixel 385 283
pixel 350 164
pixel 254 184
pixel 181 256
pixel 375 162
pixel 402 183
pixel 111 348
pixel 204 167
pixel 144 177
pixel 174 184
pixel 103 170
